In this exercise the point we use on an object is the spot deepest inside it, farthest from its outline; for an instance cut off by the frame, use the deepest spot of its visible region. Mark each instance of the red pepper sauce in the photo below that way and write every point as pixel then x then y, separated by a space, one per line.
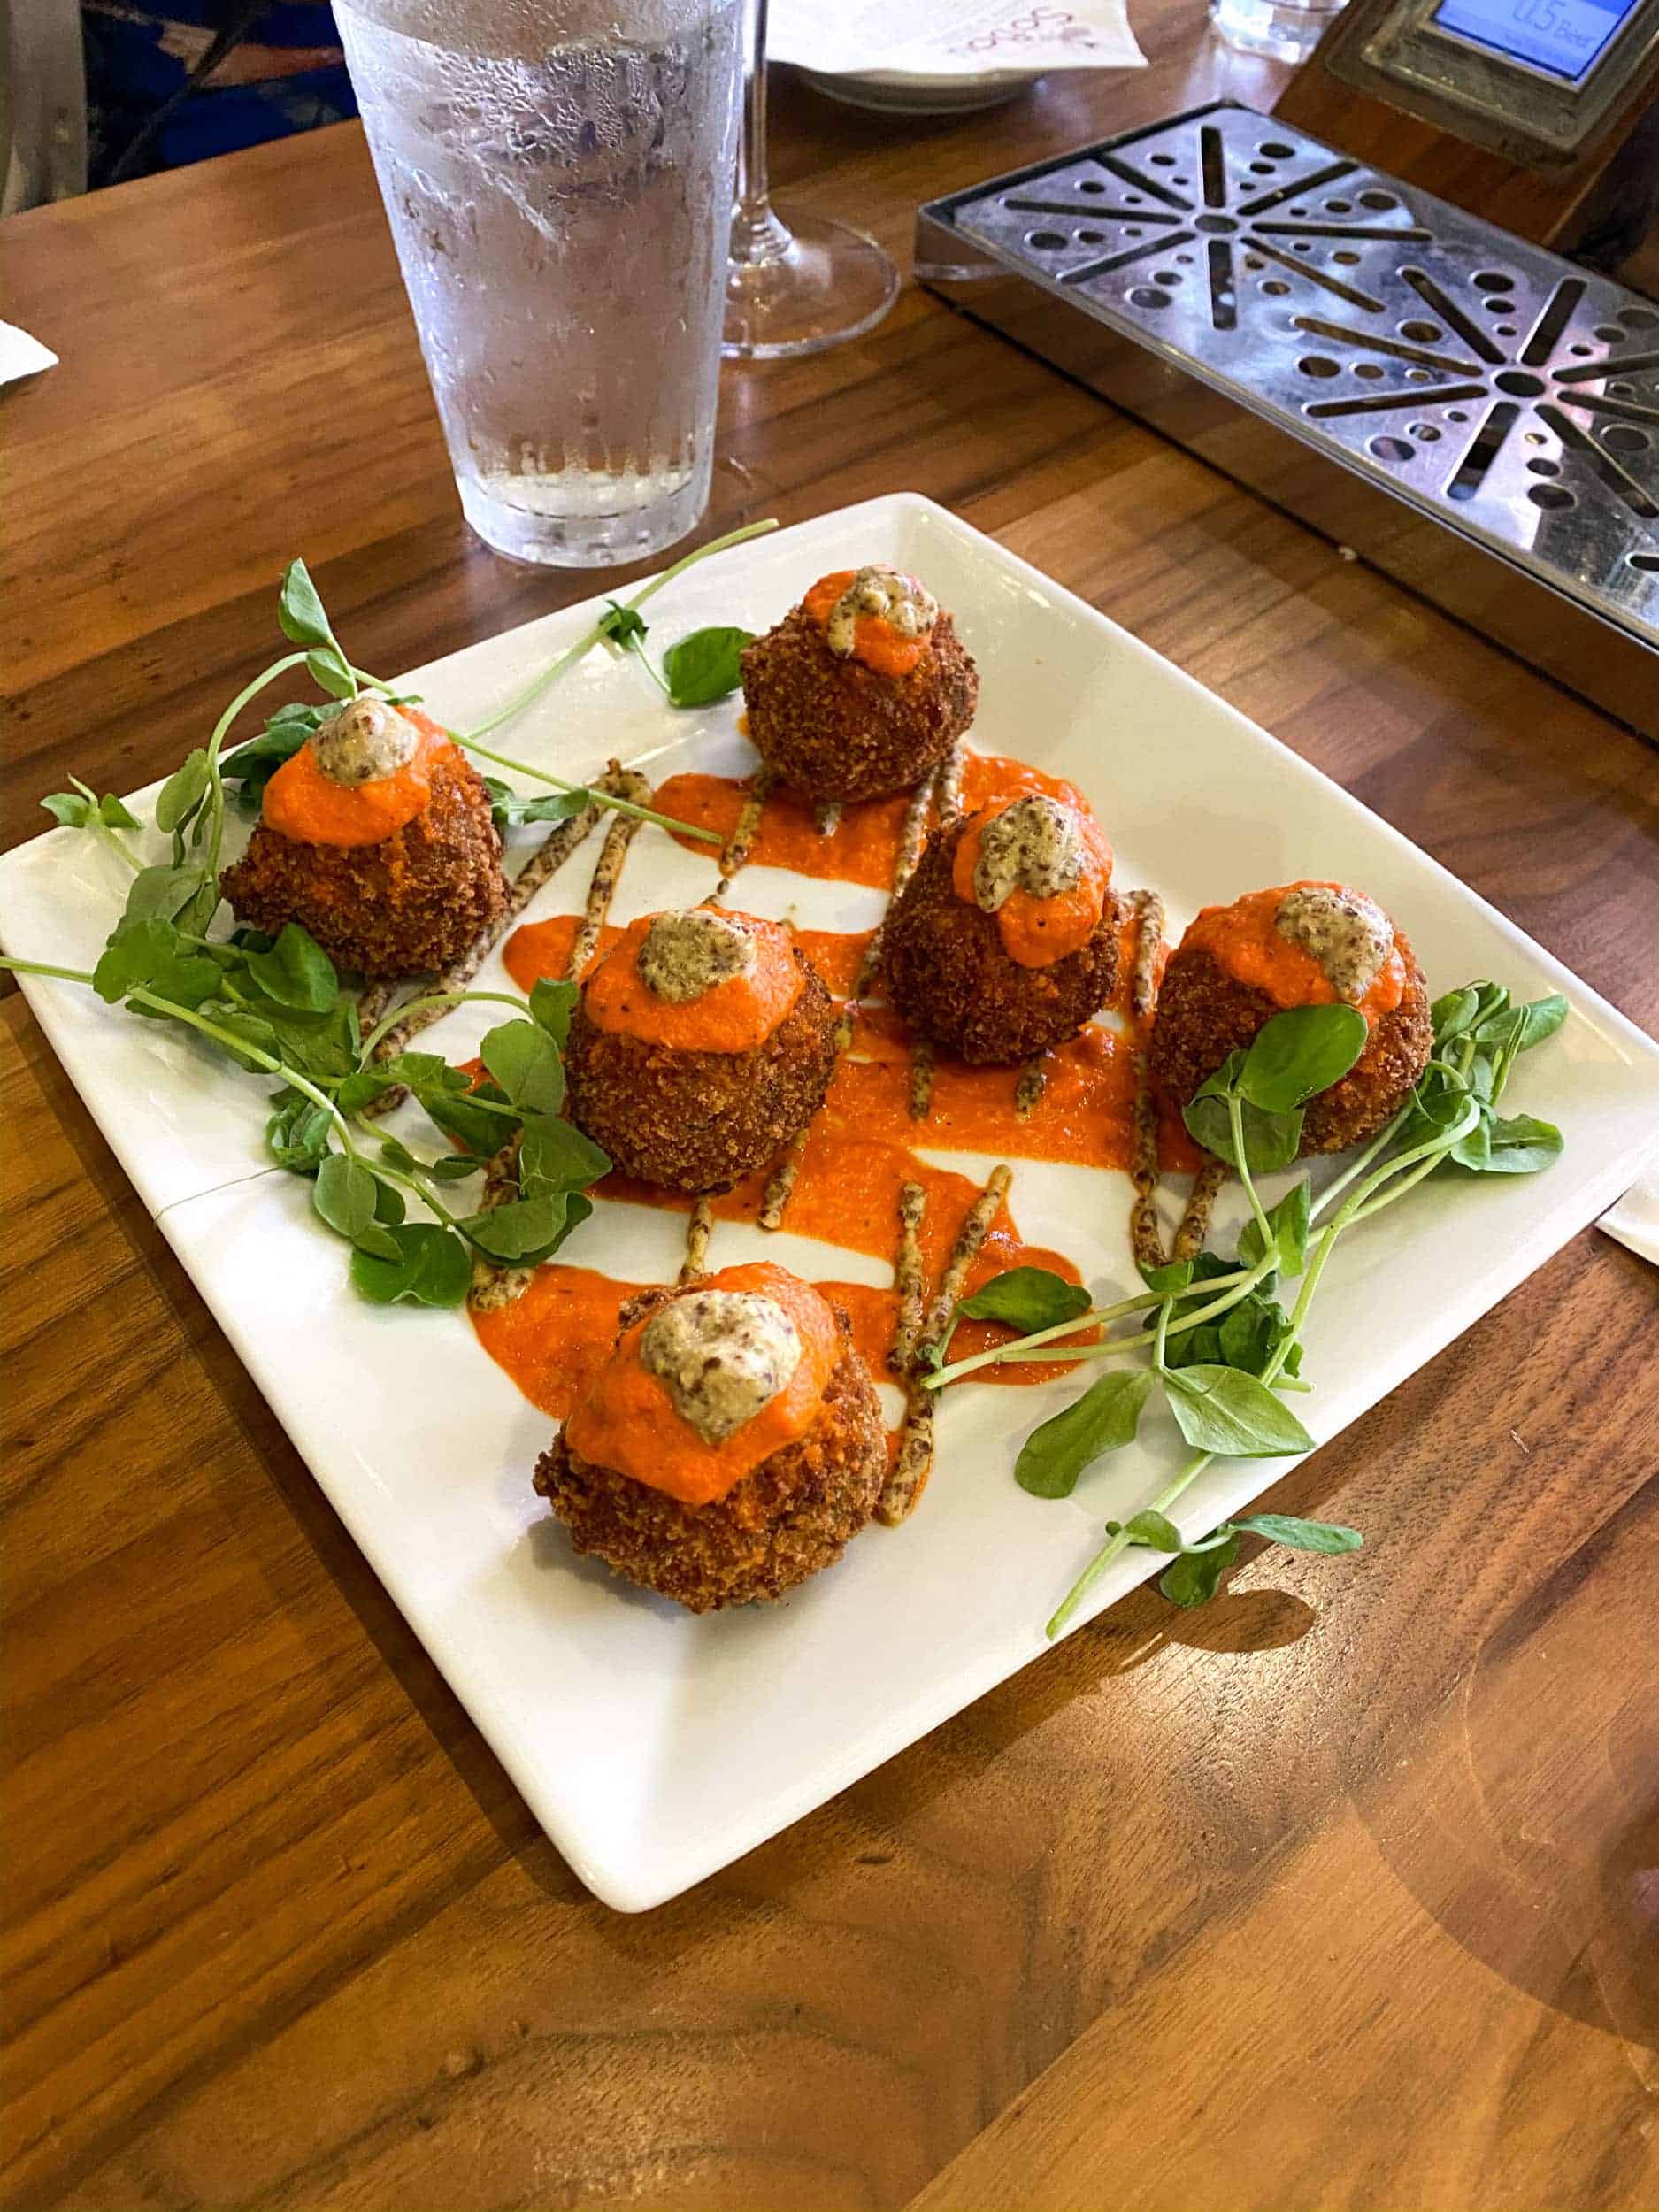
pixel 863 1145
pixel 302 804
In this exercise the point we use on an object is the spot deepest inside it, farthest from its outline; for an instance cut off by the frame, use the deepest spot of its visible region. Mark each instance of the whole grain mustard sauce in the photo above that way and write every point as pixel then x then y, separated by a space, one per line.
pixel 1037 930
pixel 878 643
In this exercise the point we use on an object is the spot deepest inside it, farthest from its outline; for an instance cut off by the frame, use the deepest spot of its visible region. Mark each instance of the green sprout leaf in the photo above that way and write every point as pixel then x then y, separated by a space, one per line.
pixel 183 792
pixel 705 666
pixel 1518 1145
pixel 509 809
pixel 1148 1527
pixel 1300 1053
pixel 1102 1420
pixel 620 624
pixel 1193 1579
pixel 1299 1535
pixel 554 1156
pixel 1288 1221
pixel 525 1062
pixel 526 1230
pixel 1539 1019
pixel 1233 1415
pixel 161 892
pixel 327 669
pixel 68 808
pixel 1024 1298
pixel 300 613
pixel 152 954
pixel 428 1265
pixel 551 1005
pixel 344 1195
pixel 1271 1140
pixel 297 971
pixel 296 1135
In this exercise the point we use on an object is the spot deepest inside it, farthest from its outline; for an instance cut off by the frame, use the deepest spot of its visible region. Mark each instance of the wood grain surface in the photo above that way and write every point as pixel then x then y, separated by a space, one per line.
pixel 1342 1893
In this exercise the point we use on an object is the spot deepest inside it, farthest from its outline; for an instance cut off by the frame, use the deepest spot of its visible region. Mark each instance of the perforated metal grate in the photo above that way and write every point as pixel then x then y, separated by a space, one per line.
pixel 1478 377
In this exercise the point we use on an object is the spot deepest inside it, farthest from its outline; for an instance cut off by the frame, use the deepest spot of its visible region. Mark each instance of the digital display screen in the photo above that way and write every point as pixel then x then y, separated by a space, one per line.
pixel 1564 37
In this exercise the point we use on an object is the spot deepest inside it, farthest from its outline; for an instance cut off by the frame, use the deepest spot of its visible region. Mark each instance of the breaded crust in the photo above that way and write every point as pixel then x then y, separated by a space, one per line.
pixel 951 980
pixel 794 1514
pixel 699 1121
pixel 834 729
pixel 409 904
pixel 1204 1014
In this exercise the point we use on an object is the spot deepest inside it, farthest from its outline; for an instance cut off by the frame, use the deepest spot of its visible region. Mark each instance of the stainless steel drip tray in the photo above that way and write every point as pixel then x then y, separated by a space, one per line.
pixel 1243 287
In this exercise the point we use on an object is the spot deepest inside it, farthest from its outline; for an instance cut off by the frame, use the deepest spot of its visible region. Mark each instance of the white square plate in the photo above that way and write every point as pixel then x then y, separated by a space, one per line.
pixel 653 1747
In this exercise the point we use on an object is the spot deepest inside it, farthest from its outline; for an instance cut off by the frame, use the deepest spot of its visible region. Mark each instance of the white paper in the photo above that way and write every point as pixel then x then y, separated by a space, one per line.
pixel 21 355
pixel 1634 1221
pixel 954 40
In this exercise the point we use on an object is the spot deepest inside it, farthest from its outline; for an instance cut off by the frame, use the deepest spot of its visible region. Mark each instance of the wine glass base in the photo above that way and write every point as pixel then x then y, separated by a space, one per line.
pixel 829 283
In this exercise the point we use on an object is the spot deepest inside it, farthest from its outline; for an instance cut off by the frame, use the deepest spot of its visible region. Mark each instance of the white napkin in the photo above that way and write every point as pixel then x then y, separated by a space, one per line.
pixel 21 355
pixel 1635 1219
pixel 961 39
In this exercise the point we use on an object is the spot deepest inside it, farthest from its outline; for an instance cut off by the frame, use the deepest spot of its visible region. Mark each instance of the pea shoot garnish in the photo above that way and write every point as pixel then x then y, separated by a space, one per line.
pixel 276 1007
pixel 1213 1334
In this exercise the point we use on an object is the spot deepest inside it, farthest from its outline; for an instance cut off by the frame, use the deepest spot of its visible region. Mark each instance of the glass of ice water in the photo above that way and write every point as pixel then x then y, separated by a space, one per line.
pixel 557 175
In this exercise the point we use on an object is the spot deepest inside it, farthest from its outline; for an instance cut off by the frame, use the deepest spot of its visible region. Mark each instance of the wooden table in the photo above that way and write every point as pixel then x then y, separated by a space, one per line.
pixel 1343 1893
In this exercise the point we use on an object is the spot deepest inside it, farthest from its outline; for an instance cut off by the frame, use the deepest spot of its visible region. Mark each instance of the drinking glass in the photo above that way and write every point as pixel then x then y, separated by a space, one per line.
pixel 799 285
pixel 1288 29
pixel 557 176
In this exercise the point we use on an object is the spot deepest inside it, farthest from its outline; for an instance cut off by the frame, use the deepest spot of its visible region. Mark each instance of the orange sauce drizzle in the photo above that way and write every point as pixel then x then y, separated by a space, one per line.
pixel 1243 939
pixel 303 803
pixel 730 1016
pixel 1037 932
pixel 875 641
pixel 864 845
pixel 863 1147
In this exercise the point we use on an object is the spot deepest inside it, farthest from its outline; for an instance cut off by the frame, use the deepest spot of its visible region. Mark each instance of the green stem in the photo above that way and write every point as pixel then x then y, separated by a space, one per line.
pixel 234 1043
pixel 1383 1137
pixel 110 836
pixel 1018 1355
pixel 434 998
pixel 1235 1123
pixel 216 783
pixel 1146 1299
pixel 592 636
pixel 1113 1545
pixel 639 653
pixel 415 1182
pixel 600 798
pixel 43 967
pixel 1363 1202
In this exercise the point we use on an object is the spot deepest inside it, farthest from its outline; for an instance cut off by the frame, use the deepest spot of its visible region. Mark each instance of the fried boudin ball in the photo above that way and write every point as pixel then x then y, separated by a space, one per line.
pixel 407 903
pixel 694 1087
pixel 860 690
pixel 1324 940
pixel 949 971
pixel 791 1514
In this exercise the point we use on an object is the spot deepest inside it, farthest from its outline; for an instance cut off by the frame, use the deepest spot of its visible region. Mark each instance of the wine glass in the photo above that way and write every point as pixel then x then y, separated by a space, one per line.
pixel 799 285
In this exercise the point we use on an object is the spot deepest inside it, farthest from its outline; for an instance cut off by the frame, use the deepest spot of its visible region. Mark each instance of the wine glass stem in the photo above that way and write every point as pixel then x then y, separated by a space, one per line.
pixel 757 236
